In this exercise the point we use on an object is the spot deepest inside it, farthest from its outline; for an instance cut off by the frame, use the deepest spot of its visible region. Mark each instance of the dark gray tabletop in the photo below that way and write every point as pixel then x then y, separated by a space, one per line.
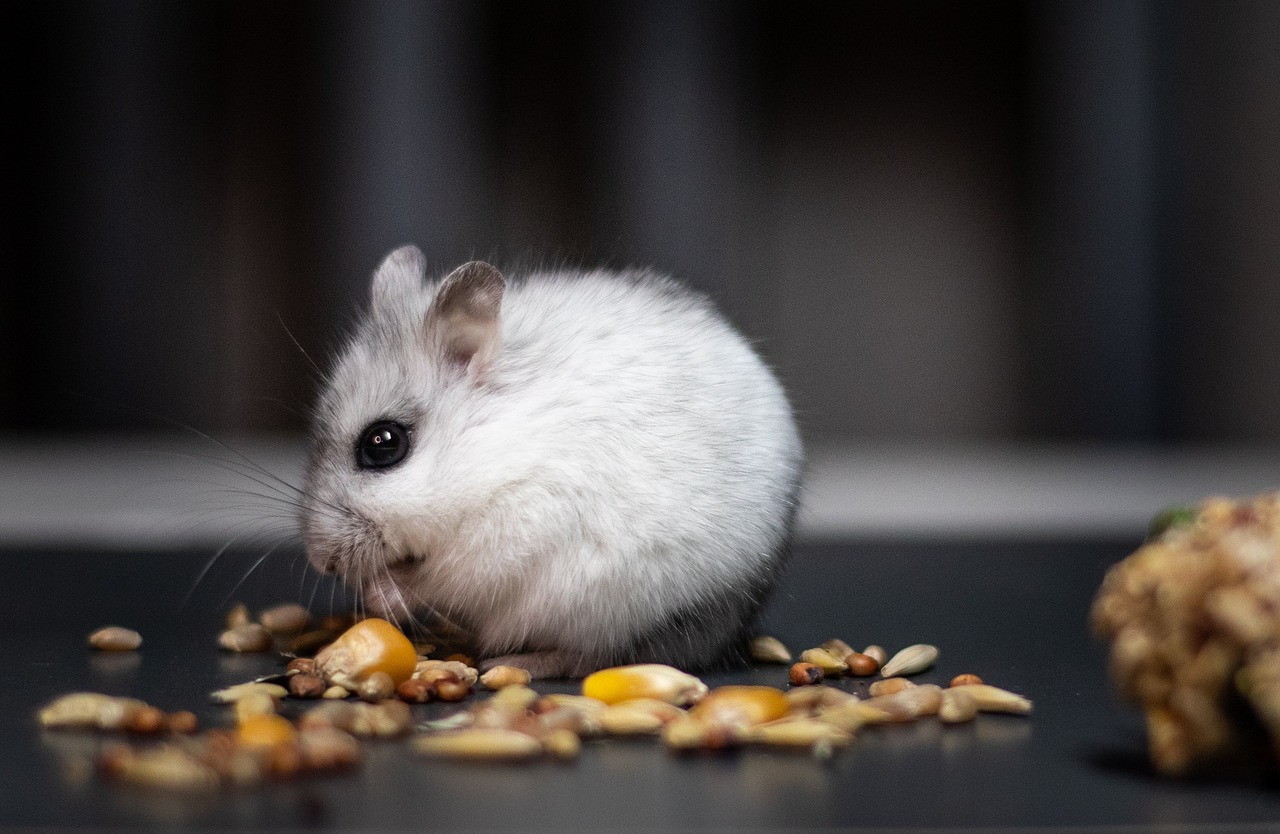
pixel 1012 612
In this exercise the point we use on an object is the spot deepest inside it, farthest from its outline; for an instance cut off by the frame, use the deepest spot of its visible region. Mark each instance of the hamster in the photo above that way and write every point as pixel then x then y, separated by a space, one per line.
pixel 576 470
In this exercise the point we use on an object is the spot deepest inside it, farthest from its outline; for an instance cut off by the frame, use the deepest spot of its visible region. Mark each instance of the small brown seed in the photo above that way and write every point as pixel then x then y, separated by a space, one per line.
pixel 503 676
pixel 965 680
pixel 805 674
pixel 310 642
pixel 877 652
pixel 430 669
pixel 416 691
pixel 306 685
pixel 338 623
pixel 888 686
pixel 183 722
pixel 286 618
pixel 861 665
pixel 766 649
pixel 301 666
pixel 246 638
pixel 452 689
pixel 147 720
pixel 115 639
pixel 238 616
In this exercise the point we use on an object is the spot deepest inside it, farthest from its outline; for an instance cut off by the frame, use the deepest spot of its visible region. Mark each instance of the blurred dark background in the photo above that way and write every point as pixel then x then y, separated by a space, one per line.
pixel 939 220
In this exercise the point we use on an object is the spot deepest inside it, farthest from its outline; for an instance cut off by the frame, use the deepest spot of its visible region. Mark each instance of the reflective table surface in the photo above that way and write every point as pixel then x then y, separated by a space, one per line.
pixel 1011 611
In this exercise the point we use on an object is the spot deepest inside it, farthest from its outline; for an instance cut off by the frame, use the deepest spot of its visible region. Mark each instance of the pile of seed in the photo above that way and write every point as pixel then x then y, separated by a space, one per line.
pixel 367 675
pixel 1192 617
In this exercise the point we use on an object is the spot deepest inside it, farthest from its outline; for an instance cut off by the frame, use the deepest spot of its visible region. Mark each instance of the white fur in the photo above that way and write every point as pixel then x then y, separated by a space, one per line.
pixel 624 456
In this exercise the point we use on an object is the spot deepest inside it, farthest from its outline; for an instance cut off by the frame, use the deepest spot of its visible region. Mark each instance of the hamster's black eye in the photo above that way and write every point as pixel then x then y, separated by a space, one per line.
pixel 381 445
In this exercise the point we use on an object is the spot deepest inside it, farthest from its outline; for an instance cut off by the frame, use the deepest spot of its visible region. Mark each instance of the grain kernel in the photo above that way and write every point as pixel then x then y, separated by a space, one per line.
pixel 255 703
pixel 328 748
pixel 371 645
pixel 965 680
pixel 265 730
pixel 517 696
pixel 562 744
pixel 238 616
pixel 766 649
pixel 623 720
pixel 503 676
pixel 336 693
pixel 824 660
pixel 911 660
pixel 744 706
pixel 90 710
pixel 249 638
pixel 878 653
pixel 645 680
pixel 993 699
pixel 802 732
pixel 183 722
pixel 115 639
pixel 376 688
pixel 888 686
pixel 241 690
pixel 838 647
pixel 147 720
pixel 958 706
pixel 286 618
pixel 480 745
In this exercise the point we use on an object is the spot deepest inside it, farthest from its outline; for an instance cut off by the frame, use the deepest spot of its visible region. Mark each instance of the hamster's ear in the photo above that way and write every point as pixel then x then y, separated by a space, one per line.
pixel 464 324
pixel 398 278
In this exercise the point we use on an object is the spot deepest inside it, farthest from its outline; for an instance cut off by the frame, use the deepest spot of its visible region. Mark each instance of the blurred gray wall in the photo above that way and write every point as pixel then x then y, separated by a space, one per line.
pixel 937 220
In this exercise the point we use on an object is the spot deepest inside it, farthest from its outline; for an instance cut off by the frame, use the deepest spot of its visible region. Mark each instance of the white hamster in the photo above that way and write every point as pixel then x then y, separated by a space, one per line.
pixel 576 469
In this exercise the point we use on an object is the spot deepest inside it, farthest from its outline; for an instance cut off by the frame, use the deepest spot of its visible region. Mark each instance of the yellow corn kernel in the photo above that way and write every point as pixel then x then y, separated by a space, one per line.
pixel 371 645
pixel 265 730
pixel 741 706
pixel 644 680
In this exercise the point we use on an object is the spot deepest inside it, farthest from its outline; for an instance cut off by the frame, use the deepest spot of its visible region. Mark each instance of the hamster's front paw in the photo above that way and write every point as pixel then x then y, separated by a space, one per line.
pixel 541 665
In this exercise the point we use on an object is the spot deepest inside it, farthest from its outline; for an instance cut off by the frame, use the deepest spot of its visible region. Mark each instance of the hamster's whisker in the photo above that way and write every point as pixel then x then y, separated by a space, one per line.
pixel 205 570
pixel 257 564
pixel 314 365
